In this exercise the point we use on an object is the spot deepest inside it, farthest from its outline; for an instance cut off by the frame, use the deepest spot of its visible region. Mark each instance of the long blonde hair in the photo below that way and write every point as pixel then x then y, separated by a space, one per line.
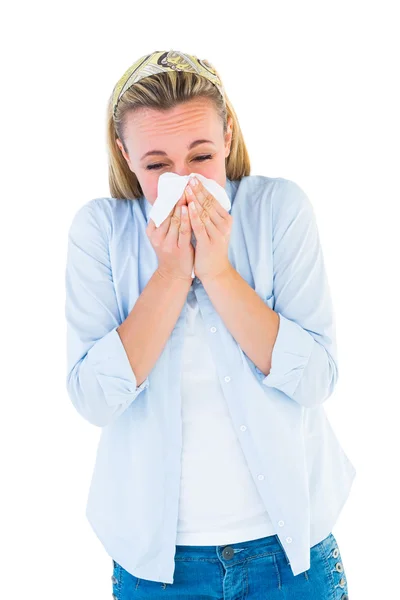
pixel 164 91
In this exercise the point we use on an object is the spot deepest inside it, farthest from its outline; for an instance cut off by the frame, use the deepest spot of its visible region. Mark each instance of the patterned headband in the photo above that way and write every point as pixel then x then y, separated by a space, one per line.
pixel 158 62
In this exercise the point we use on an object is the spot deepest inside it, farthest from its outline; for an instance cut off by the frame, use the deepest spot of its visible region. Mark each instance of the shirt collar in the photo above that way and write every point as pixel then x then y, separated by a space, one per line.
pixel 229 188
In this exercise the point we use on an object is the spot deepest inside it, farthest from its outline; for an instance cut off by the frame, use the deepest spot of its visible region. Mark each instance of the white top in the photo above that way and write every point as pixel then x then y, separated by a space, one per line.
pixel 219 501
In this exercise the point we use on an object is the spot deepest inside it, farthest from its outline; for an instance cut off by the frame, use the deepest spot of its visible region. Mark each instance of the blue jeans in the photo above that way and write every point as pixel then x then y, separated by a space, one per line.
pixel 252 570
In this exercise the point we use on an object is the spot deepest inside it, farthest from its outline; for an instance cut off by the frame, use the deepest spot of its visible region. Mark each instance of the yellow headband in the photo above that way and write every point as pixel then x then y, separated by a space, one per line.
pixel 158 62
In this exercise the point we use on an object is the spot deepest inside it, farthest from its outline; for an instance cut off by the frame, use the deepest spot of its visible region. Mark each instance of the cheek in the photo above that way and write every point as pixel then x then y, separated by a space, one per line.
pixel 215 172
pixel 149 185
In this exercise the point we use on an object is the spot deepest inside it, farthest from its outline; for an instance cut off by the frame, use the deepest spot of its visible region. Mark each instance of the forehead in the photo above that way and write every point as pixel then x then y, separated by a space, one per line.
pixel 190 116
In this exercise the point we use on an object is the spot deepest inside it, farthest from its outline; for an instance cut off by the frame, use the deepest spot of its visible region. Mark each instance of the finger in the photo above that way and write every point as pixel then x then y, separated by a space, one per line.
pixel 206 219
pixel 185 229
pixel 151 226
pixel 173 210
pixel 200 226
pixel 214 228
pixel 175 223
pixel 161 231
pixel 176 219
pixel 209 205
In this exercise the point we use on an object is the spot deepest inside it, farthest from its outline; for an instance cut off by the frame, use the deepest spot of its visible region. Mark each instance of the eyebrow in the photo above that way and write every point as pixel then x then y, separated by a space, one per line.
pixel 192 145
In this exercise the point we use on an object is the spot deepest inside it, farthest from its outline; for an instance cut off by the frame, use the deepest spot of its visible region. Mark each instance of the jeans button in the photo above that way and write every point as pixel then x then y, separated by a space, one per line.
pixel 228 552
pixel 114 579
pixel 335 553
pixel 342 582
pixel 344 597
pixel 339 567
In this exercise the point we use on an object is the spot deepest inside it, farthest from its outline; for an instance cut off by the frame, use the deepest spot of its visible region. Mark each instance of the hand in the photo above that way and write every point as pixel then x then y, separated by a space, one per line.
pixel 211 225
pixel 172 243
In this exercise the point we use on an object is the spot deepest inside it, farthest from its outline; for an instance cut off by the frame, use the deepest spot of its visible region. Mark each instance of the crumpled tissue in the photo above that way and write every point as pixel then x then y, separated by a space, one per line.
pixel 170 189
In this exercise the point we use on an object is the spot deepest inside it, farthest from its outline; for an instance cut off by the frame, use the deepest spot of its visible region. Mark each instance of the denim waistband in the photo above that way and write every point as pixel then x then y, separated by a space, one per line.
pixel 238 551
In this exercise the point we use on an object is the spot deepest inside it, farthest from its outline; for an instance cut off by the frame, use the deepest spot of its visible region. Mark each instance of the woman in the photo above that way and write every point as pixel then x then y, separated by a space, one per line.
pixel 217 473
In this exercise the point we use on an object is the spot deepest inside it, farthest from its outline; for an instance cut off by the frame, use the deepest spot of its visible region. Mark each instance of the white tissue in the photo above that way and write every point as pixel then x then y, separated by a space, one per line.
pixel 170 189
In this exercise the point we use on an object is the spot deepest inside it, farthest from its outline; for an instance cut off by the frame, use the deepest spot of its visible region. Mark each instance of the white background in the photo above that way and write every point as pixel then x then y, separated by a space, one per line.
pixel 314 88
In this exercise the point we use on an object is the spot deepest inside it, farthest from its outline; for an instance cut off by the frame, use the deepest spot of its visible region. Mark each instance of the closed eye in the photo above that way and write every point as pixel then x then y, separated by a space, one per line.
pixel 198 158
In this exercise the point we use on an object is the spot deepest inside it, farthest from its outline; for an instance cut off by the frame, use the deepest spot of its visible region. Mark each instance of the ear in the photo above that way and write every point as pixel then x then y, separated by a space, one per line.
pixel 124 154
pixel 228 136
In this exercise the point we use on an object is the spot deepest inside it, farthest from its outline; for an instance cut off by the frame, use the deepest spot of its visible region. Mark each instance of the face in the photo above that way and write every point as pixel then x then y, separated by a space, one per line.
pixel 171 138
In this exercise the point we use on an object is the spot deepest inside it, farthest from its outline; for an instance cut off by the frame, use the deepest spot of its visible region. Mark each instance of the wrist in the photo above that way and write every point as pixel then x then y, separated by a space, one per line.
pixel 174 277
pixel 218 275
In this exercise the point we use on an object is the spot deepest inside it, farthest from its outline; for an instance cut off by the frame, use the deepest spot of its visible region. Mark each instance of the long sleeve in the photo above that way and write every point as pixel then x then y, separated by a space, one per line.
pixel 100 381
pixel 304 357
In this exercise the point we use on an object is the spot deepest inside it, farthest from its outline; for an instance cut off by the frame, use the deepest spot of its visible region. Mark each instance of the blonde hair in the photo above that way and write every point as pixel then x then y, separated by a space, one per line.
pixel 164 91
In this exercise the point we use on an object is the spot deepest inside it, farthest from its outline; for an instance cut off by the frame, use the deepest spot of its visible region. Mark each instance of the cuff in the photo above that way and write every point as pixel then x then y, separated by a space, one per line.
pixel 113 370
pixel 290 355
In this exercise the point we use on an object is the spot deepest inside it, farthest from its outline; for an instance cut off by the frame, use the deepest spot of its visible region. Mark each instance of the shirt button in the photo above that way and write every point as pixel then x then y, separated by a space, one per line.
pixel 227 378
pixel 197 280
pixel 281 523
pixel 243 427
pixel 261 477
pixel 213 329
pixel 289 540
